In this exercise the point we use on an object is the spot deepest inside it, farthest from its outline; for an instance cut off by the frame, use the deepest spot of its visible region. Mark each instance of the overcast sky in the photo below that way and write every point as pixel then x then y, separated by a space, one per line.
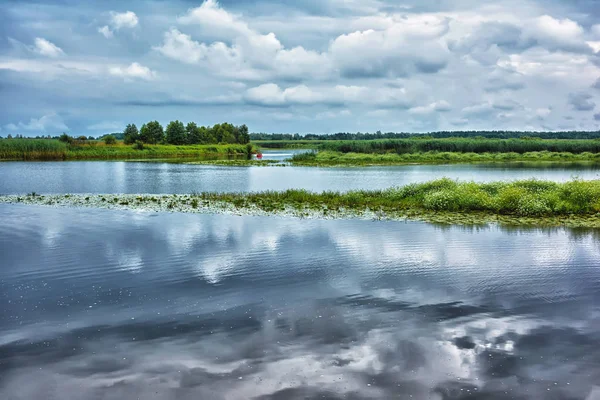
pixel 90 67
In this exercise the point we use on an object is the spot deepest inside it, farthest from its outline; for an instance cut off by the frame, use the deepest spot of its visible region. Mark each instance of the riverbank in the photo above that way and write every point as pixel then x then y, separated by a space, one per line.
pixel 54 150
pixel 339 159
pixel 521 203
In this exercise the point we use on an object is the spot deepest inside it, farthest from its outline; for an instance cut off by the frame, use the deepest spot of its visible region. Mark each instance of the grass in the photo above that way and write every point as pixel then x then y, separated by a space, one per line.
pixel 330 158
pixel 239 163
pixel 529 198
pixel 462 145
pixel 43 149
pixel 528 202
pixel 32 149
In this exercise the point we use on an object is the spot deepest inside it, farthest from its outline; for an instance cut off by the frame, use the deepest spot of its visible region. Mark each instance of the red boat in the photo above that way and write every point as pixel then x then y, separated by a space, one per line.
pixel 259 156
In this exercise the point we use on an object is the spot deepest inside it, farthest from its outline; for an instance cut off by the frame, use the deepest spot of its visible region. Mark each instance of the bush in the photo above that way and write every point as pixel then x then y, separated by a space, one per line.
pixel 138 145
pixel 110 140
pixel 65 138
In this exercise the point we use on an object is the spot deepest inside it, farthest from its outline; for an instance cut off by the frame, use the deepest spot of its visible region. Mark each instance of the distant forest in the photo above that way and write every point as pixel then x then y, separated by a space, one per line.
pixel 433 135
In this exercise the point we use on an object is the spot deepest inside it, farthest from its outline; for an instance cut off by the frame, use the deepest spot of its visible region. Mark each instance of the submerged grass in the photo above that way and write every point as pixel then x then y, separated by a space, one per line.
pixel 45 149
pixel 528 202
pixel 332 158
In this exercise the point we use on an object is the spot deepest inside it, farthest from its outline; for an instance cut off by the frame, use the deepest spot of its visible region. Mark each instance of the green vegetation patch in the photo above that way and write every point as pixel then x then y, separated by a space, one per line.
pixel 50 149
pixel 333 158
pixel 528 202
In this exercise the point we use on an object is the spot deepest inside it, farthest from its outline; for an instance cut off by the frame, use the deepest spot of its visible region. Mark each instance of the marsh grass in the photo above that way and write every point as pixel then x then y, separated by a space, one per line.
pixel 462 145
pixel 32 149
pixel 527 202
pixel 528 198
pixel 332 158
pixel 45 149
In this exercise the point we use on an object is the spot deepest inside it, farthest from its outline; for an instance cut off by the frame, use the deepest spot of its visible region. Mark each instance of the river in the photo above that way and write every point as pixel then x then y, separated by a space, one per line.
pixel 169 178
pixel 101 304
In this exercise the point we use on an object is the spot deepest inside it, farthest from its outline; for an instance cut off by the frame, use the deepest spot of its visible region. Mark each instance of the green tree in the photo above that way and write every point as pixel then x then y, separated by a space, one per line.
pixel 176 133
pixel 193 133
pixel 244 135
pixel 110 140
pixel 152 133
pixel 131 134
pixel 65 138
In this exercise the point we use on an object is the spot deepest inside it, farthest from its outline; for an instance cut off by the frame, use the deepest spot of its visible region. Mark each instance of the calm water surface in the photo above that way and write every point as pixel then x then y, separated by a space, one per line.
pixel 151 177
pixel 99 304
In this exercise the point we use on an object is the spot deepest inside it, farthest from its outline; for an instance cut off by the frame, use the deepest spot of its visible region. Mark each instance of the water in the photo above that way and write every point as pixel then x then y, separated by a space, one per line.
pixel 100 304
pixel 151 177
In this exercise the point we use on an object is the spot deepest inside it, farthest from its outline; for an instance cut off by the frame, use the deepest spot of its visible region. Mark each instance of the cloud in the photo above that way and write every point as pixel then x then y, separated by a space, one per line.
pixel 556 34
pixel 581 101
pixel 106 32
pixel 181 47
pixel 478 110
pixel 47 48
pixel 127 19
pixel 215 19
pixel 543 112
pixel 241 51
pixel 112 126
pixel 118 21
pixel 597 117
pixel 51 123
pixel 133 71
pixel 271 95
pixel 506 105
pixel 439 106
pixel 371 57
pixel 409 46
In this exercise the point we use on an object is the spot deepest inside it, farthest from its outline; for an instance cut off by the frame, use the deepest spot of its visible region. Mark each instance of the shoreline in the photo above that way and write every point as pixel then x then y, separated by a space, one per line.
pixel 197 204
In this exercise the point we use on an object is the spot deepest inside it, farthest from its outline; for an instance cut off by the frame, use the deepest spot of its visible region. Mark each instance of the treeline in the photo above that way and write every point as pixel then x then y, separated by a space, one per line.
pixel 434 135
pixel 462 145
pixel 179 134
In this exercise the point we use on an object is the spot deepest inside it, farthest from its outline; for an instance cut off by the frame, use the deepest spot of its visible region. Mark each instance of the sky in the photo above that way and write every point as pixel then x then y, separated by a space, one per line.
pixel 300 66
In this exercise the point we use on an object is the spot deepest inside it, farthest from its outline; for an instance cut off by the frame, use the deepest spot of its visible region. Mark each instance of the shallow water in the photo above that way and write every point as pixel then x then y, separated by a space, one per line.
pixel 103 304
pixel 161 177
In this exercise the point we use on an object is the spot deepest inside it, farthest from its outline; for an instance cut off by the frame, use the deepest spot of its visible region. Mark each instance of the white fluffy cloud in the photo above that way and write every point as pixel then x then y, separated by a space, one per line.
pixel 127 19
pixel 423 66
pixel 556 34
pixel 439 106
pixel 133 71
pixel 272 95
pixel 50 123
pixel 106 32
pixel 118 21
pixel 47 48
pixel 407 46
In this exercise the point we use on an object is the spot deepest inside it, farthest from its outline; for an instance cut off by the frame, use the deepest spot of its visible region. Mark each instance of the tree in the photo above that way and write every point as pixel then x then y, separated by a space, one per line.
pixel 130 134
pixel 244 136
pixel 65 138
pixel 193 133
pixel 206 135
pixel 9 136
pixel 152 133
pixel 176 133
pixel 110 140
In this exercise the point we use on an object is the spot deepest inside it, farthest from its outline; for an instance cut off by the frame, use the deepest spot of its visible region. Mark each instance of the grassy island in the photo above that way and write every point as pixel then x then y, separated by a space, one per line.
pixel 520 203
pixel 334 158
